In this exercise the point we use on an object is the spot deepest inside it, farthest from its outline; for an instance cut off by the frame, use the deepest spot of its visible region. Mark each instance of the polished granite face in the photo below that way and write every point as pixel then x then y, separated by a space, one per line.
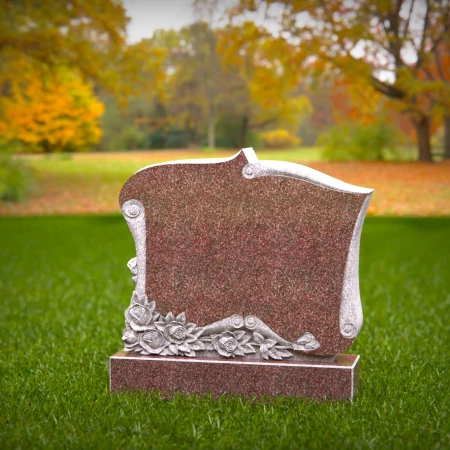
pixel 337 381
pixel 220 244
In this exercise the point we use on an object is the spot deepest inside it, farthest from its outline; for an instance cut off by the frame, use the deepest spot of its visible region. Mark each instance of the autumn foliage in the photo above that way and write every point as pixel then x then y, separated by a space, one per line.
pixel 51 112
pixel 280 138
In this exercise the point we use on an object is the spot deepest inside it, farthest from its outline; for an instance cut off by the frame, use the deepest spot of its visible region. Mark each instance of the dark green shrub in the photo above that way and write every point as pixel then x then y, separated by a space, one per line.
pixel 157 139
pixel 131 138
pixel 175 138
pixel 350 141
pixel 15 179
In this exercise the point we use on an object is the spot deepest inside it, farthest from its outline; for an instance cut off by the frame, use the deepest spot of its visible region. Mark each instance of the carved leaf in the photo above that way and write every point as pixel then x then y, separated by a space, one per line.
pixel 270 343
pixel 134 298
pixel 248 348
pixel 190 327
pixel 284 353
pixel 259 339
pixel 196 333
pixel 173 349
pixel 181 317
pixel 170 317
pixel 184 347
pixel 198 345
pixel 239 334
pixel 274 354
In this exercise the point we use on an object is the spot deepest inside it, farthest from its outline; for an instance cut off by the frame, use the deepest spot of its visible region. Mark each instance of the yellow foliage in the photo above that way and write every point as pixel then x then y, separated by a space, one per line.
pixel 267 67
pixel 280 139
pixel 50 112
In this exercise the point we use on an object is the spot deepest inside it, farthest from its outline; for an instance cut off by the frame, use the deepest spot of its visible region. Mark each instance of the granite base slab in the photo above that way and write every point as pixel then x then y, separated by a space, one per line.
pixel 338 380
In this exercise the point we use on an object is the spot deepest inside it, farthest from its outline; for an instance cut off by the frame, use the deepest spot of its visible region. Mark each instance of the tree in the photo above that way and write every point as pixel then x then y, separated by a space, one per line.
pixel 196 82
pixel 262 88
pixel 84 35
pixel 50 112
pixel 436 71
pixel 206 78
pixel 384 43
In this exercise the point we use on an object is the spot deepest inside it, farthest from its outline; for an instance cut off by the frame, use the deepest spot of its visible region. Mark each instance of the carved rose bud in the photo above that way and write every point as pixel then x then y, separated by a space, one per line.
pixel 306 343
pixel 132 265
pixel 130 339
pixel 153 341
pixel 232 343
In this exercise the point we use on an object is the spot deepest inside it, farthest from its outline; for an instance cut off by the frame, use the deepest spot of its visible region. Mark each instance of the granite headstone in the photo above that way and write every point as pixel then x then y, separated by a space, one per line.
pixel 246 276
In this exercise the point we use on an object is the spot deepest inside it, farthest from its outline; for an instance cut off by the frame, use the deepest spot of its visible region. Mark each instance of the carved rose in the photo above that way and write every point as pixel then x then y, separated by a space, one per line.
pixel 148 332
pixel 141 314
pixel 182 337
pixel 175 332
pixel 153 341
pixel 232 343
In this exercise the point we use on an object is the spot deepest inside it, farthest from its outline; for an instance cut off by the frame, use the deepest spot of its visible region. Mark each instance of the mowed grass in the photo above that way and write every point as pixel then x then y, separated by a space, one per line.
pixel 64 286
pixel 90 183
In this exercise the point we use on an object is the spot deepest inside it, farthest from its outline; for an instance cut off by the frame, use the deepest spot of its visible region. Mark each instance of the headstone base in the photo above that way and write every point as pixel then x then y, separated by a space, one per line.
pixel 338 380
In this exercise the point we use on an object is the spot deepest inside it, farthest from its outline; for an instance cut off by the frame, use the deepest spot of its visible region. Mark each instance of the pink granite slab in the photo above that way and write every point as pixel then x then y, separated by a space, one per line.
pixel 219 244
pixel 338 380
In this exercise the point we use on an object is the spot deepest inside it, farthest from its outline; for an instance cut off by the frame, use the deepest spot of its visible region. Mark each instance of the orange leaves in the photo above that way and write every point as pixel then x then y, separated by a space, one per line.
pixel 50 112
pixel 353 99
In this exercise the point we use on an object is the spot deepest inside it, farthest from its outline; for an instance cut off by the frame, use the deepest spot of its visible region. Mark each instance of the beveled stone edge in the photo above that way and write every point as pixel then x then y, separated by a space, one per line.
pixel 248 152
pixel 256 168
pixel 293 363
pixel 354 368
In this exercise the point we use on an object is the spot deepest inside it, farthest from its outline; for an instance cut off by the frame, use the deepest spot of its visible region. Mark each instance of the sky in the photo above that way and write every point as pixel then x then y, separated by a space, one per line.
pixel 149 15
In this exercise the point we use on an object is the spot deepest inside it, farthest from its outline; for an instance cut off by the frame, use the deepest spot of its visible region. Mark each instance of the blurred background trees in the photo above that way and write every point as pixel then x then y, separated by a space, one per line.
pixel 363 79
pixel 396 47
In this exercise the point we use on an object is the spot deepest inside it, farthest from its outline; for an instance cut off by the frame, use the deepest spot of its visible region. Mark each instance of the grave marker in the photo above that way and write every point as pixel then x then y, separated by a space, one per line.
pixel 246 277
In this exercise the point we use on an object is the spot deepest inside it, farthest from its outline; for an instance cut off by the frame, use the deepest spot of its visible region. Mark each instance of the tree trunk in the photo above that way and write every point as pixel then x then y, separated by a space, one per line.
pixel 447 137
pixel 211 126
pixel 244 131
pixel 423 138
pixel 187 133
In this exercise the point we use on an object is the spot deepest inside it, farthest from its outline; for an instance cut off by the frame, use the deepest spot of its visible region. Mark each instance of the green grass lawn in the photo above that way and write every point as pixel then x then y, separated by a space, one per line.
pixel 64 286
